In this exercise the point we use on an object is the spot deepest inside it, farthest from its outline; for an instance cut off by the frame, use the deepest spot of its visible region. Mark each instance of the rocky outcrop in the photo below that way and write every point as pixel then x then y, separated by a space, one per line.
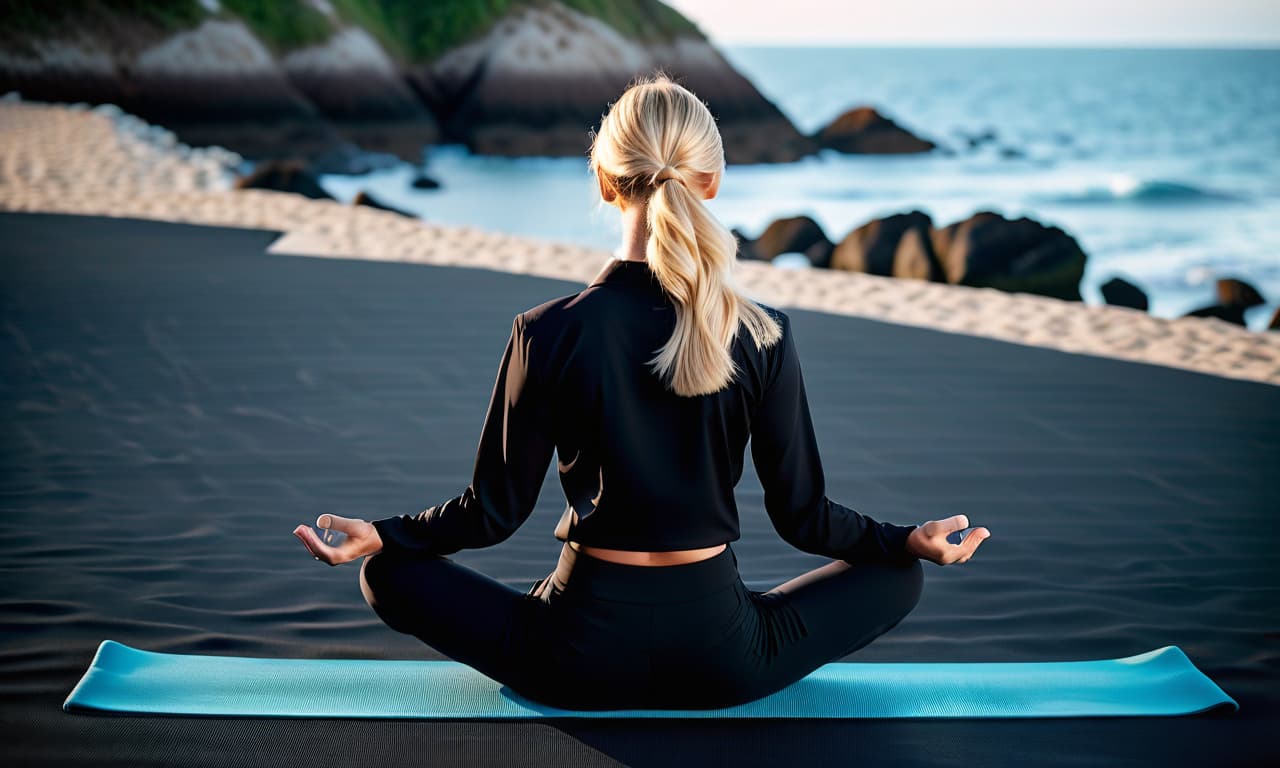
pixel 863 130
pixel 284 176
pixel 543 76
pixel 873 248
pixel 1234 297
pixel 1119 292
pixel 535 82
pixel 213 84
pixel 1017 255
pixel 368 200
pixel 355 84
pixel 794 234
pixel 985 250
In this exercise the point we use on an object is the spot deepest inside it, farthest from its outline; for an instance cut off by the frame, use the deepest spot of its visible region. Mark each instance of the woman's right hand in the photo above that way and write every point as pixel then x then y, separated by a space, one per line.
pixel 362 539
pixel 929 541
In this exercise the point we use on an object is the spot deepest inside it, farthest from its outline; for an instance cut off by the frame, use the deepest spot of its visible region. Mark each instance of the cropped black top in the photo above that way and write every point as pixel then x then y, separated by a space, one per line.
pixel 642 468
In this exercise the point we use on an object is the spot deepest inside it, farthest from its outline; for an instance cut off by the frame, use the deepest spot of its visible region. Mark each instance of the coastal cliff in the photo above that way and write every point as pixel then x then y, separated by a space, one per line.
pixel 308 77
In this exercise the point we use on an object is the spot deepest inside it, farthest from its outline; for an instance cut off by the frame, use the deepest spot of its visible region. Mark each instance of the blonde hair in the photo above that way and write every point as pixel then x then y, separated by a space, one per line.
pixel 656 138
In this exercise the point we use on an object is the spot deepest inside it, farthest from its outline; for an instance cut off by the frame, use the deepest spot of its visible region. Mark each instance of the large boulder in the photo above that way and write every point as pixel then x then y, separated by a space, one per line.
pixel 211 83
pixel 541 77
pixel 1119 292
pixel 873 247
pixel 1237 293
pixel 1233 315
pixel 1016 255
pixel 793 234
pixel 355 84
pixel 284 176
pixel 863 130
pixel 369 201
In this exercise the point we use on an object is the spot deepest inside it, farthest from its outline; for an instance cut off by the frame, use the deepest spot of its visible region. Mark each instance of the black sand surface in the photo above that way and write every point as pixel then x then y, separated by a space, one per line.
pixel 175 401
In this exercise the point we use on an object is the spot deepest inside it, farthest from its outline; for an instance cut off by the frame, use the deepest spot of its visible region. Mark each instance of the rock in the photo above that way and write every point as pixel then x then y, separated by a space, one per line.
pixel 1016 255
pixel 1119 292
pixel 746 246
pixel 212 83
pixel 1229 314
pixel 873 247
pixel 1238 293
pixel 863 130
pixel 422 181
pixel 1274 325
pixel 795 234
pixel 819 254
pixel 366 199
pixel 976 140
pixel 914 258
pixel 354 83
pixel 540 78
pixel 284 176
pixel 1012 153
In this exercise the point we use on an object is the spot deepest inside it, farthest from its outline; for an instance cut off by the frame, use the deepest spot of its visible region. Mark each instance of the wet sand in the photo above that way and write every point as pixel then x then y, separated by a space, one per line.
pixel 177 399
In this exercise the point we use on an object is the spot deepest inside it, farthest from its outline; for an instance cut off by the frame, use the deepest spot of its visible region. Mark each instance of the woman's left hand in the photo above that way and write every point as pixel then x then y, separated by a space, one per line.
pixel 362 539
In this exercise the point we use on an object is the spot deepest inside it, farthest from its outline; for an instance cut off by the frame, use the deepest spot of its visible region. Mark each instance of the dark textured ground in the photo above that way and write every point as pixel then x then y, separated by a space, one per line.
pixel 175 401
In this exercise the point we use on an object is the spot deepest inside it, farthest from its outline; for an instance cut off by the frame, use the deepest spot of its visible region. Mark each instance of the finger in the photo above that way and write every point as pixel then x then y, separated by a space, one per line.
pixel 319 549
pixel 338 523
pixel 955 523
pixel 971 542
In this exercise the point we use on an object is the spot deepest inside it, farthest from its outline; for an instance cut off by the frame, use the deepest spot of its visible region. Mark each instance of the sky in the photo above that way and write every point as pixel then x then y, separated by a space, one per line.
pixel 987 22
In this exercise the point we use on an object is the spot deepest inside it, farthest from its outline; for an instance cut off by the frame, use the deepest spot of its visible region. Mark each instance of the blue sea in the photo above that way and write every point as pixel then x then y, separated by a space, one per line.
pixel 1163 164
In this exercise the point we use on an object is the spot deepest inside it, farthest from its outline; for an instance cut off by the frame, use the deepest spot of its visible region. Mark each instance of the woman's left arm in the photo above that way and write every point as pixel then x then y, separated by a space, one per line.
pixel 516 446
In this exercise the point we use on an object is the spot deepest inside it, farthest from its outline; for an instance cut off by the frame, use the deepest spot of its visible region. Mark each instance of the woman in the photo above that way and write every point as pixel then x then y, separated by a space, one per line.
pixel 647 385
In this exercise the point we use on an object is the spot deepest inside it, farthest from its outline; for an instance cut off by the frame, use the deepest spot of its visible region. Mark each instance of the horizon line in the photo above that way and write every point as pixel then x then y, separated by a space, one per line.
pixel 1259 45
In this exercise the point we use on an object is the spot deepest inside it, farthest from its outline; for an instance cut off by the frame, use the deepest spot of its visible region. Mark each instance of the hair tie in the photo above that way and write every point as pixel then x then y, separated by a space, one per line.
pixel 667 172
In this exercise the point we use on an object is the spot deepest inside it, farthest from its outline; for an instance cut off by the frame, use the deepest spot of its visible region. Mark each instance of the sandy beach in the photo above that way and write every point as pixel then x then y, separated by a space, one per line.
pixel 190 371
pixel 102 162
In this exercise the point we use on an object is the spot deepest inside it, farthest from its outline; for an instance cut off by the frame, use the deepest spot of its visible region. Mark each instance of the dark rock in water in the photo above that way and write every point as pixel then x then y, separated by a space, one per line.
pixel 794 234
pixel 423 181
pixel 366 199
pixel 746 246
pixel 863 130
pixel 1016 255
pixel 1229 314
pixel 1012 153
pixel 284 176
pixel 914 258
pixel 873 247
pixel 1119 292
pixel 1238 293
pixel 540 78
pixel 819 254
pixel 1274 325
pixel 975 140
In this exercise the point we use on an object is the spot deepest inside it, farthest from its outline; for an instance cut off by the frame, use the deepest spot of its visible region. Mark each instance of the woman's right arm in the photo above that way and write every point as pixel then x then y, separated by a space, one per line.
pixel 784 450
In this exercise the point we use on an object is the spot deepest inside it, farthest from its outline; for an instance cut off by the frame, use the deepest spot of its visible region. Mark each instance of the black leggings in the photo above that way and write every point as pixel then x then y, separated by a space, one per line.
pixel 601 635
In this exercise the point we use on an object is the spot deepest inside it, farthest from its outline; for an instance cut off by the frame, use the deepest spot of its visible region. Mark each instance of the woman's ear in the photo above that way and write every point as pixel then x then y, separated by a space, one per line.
pixel 606 191
pixel 713 188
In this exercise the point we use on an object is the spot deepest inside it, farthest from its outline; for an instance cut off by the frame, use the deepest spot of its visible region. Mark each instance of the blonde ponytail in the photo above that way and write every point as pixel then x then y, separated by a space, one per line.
pixel 655 140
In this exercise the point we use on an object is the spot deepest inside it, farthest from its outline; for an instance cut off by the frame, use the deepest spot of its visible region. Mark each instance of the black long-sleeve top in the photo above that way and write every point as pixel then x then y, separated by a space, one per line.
pixel 642 468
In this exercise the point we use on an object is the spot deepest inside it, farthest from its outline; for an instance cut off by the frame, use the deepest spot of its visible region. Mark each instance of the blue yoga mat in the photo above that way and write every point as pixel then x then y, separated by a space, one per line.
pixel 124 679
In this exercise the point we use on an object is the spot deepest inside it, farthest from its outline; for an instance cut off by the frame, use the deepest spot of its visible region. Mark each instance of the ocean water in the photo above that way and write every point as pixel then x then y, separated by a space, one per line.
pixel 1163 164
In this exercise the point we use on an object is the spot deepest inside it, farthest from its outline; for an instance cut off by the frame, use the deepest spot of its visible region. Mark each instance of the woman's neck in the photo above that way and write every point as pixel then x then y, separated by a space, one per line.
pixel 635 234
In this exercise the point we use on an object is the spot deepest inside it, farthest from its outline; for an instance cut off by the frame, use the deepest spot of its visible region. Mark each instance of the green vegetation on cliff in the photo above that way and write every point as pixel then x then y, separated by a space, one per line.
pixel 282 24
pixel 413 30
pixel 420 31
